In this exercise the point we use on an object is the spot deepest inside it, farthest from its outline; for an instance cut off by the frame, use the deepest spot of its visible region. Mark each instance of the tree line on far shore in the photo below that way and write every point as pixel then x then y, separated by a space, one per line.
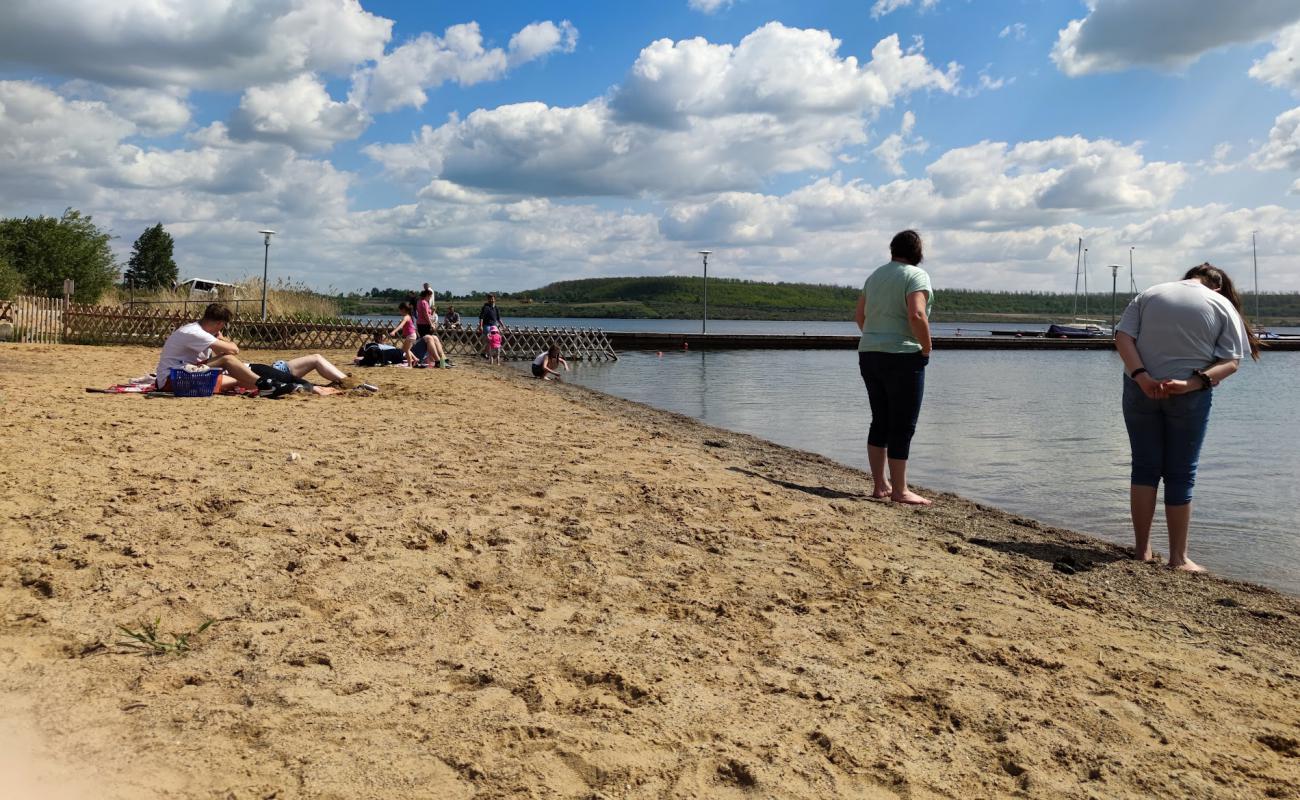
pixel 674 297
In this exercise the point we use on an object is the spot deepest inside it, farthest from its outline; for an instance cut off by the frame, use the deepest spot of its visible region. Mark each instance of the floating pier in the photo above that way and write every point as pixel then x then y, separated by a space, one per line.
pixel 625 340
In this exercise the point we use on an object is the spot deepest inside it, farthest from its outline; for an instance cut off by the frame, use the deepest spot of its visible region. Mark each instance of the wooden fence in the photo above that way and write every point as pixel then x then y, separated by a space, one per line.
pixel 87 324
pixel 35 319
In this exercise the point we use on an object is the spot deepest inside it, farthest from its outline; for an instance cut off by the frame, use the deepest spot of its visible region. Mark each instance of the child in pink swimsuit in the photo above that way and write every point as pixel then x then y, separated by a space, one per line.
pixel 495 340
pixel 406 330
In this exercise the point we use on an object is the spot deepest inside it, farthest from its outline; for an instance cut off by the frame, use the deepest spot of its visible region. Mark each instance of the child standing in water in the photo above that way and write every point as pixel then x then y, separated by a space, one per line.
pixel 406 330
pixel 494 342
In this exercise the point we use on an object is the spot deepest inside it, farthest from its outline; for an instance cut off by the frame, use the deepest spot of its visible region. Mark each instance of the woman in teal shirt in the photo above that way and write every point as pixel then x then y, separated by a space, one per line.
pixel 894 316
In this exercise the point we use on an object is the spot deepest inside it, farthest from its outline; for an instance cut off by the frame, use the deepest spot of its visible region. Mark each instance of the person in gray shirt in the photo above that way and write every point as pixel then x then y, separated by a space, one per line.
pixel 1178 340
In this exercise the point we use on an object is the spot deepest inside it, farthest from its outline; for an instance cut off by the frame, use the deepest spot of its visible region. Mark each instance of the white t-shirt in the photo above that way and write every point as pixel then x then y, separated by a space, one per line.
pixel 1183 326
pixel 188 344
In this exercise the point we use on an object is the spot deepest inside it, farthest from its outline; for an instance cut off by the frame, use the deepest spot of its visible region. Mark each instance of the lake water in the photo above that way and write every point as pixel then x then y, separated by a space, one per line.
pixel 1040 434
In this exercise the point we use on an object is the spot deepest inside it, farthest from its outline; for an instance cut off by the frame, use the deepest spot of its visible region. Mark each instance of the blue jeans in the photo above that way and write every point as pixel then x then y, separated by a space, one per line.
pixel 1165 438
pixel 895 385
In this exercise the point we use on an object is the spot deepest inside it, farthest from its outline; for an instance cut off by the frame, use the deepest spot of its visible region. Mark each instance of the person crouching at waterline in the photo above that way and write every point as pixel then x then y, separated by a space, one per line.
pixel 1178 340
pixel 547 365
pixel 894 316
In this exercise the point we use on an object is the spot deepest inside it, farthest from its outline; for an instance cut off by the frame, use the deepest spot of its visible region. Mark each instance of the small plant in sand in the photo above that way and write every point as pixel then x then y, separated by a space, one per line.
pixel 151 641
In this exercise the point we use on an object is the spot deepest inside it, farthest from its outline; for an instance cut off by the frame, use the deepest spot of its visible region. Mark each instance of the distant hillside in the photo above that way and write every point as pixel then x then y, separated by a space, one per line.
pixel 671 297
pixel 682 298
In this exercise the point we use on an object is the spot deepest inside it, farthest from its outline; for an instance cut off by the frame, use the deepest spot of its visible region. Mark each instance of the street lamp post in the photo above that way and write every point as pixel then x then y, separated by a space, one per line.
pixel 266 259
pixel 704 322
pixel 1114 282
pixel 1132 284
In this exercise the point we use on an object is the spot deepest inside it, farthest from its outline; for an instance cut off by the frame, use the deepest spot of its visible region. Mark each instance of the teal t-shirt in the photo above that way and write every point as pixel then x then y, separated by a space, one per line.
pixel 886 329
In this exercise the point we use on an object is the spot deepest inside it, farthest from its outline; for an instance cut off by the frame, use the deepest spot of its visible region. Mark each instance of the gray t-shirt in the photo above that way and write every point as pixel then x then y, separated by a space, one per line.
pixel 1183 326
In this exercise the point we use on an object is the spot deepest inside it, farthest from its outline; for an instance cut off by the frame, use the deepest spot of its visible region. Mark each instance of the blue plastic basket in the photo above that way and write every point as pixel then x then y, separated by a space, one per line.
pixel 194 384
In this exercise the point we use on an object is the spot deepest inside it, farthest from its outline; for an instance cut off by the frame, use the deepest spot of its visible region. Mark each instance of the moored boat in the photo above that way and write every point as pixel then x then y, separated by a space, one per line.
pixel 1086 330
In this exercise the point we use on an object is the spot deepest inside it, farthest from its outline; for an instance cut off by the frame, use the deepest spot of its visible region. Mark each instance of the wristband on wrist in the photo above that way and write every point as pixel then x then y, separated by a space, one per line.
pixel 1135 373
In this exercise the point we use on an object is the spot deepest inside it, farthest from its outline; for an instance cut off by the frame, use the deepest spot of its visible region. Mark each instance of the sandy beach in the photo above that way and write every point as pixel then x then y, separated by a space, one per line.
pixel 475 585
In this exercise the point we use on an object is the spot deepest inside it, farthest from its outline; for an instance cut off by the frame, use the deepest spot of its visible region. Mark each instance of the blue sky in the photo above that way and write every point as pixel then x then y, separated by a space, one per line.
pixel 506 145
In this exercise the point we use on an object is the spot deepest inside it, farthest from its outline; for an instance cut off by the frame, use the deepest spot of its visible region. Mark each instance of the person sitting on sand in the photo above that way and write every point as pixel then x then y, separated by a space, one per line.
pixel 1178 340
pixel 202 343
pixel 546 365
pixel 430 352
pixel 453 318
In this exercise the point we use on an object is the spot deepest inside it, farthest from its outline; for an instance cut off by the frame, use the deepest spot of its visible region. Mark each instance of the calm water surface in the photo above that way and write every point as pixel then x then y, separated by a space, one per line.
pixel 1039 434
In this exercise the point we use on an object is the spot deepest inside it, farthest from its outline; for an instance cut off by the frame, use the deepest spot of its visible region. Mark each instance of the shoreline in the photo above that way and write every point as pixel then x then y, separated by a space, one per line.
pixel 593 597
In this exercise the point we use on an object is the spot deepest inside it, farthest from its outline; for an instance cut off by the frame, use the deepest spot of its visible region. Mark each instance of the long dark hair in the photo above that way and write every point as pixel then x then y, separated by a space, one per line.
pixel 1218 280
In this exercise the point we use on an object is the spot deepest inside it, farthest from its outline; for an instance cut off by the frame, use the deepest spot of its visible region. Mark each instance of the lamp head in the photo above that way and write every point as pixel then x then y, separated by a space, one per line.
pixel 268 234
pixel 705 252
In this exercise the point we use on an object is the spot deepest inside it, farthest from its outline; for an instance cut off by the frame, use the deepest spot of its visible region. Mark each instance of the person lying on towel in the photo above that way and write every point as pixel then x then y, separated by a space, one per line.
pixel 378 354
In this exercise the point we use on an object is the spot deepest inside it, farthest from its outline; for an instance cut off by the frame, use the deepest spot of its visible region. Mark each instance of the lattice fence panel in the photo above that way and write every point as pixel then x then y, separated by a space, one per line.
pixel 86 324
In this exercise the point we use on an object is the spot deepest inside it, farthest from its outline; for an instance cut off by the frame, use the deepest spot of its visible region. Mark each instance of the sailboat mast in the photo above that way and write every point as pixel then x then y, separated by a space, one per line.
pixel 1077 261
pixel 1085 281
pixel 1255 258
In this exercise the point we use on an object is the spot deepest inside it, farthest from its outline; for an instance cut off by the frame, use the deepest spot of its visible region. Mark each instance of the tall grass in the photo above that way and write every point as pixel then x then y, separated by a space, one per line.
pixel 283 299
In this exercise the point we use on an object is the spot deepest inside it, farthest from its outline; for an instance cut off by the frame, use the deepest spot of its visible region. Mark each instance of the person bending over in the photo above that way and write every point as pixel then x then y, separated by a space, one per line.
pixel 547 365
pixel 1178 340
pixel 202 343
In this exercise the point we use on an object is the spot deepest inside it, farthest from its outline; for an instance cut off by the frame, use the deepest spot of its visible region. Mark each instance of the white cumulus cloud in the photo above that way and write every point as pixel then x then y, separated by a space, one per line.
pixel 882 7
pixel 1281 66
pixel 1282 150
pixel 1165 34
pixel 691 117
pixel 401 77
pixel 297 112
pixel 896 145
pixel 709 6
pixel 198 44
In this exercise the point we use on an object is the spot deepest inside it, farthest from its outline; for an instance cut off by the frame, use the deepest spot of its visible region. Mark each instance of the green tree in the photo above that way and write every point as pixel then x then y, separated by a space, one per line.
pixel 47 251
pixel 151 265
pixel 11 282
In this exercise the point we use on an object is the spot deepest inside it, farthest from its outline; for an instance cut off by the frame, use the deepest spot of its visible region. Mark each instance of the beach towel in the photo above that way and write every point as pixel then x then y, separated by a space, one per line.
pixel 141 385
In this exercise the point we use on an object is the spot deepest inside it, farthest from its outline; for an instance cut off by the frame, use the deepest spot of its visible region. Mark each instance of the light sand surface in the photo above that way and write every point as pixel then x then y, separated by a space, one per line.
pixel 475 585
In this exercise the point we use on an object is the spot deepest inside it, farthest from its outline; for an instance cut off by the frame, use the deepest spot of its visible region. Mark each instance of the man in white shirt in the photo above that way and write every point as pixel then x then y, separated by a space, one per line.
pixel 202 343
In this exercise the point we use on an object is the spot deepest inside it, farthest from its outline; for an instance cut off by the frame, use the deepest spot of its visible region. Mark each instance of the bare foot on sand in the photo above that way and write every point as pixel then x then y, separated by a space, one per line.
pixel 1187 566
pixel 1147 555
pixel 881 492
pixel 909 499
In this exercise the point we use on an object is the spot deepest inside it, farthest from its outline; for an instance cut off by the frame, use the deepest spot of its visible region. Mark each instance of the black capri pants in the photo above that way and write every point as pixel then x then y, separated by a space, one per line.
pixel 895 385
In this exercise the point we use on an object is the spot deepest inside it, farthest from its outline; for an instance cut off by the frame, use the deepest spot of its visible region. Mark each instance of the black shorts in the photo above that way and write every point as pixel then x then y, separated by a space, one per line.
pixel 424 330
pixel 539 371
